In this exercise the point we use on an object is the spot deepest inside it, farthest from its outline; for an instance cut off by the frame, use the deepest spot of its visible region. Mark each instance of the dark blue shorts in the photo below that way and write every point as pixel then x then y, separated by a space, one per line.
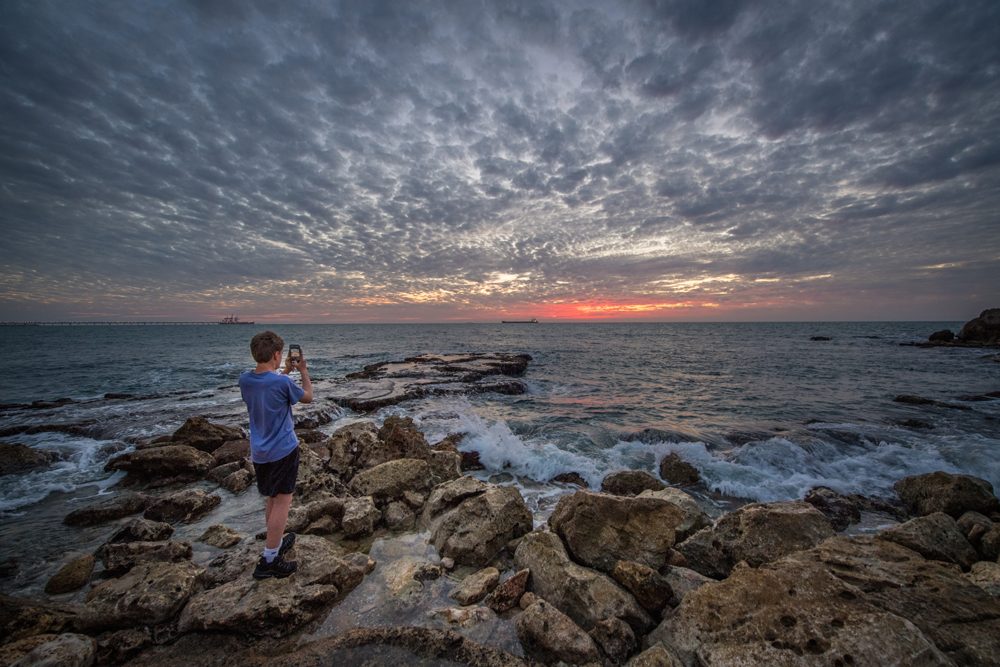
pixel 278 476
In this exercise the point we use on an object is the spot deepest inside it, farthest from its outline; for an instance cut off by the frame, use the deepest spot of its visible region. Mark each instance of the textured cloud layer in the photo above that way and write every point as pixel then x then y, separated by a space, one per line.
pixel 462 160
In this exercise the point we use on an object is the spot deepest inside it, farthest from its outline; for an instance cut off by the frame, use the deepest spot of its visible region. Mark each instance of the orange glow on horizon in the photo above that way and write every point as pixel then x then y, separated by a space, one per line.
pixel 600 310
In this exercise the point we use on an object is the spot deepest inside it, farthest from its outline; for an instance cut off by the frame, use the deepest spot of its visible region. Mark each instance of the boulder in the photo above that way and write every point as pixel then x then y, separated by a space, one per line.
pixel 649 587
pixel 388 481
pixel 945 492
pixel 615 638
pixel 237 481
pixel 974 522
pixel 694 518
pixel 508 593
pixel 360 516
pixel 398 516
pixel 315 481
pixel 150 594
pixel 353 448
pixel 65 650
pixel 474 531
pixel 630 483
pixel 301 516
pixel 476 586
pixel 232 451
pixel 989 543
pixel 585 595
pixel 451 494
pixel 22 617
pixel 935 536
pixel 401 439
pixel 220 472
pixel 675 470
pixel 942 336
pixel 841 510
pixel 16 458
pixel 72 576
pixel 984 329
pixel 142 530
pixel 117 507
pixel 986 575
pixel 123 556
pixel 170 462
pixel 220 536
pixel 655 656
pixel 115 648
pixel 445 466
pixel 201 434
pixel 682 581
pixel 600 529
pixel 756 533
pixel 574 478
pixel 182 506
pixel 550 636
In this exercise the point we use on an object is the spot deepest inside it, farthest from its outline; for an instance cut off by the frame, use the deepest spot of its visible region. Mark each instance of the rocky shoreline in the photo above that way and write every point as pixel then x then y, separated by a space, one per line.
pixel 633 574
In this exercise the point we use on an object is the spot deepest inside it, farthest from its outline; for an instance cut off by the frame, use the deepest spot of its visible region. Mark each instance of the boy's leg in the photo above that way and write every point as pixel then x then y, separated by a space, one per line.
pixel 276 515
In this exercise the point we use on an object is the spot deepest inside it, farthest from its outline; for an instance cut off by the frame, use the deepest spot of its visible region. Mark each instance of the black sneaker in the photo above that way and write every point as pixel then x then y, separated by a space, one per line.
pixel 287 542
pixel 278 568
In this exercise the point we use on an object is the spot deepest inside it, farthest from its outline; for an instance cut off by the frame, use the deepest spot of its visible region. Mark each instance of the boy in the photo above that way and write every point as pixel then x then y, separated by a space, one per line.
pixel 274 448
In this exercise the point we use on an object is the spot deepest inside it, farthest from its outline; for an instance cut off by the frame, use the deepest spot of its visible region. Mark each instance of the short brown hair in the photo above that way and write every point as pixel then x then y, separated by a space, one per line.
pixel 264 345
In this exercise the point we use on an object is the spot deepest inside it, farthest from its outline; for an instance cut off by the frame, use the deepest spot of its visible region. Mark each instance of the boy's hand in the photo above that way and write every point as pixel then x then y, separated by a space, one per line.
pixel 289 366
pixel 301 366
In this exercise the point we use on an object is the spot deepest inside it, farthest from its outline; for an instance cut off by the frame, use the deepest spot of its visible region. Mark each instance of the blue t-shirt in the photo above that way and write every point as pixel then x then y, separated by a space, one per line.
pixel 269 397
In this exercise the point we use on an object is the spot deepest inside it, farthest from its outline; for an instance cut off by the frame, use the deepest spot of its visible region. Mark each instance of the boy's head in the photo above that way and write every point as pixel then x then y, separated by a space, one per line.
pixel 264 345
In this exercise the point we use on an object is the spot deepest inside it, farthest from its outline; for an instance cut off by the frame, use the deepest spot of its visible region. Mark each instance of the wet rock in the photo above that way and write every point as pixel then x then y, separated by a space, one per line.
pixel 149 594
pixel 839 509
pixel 945 492
pixel 942 336
pixel 171 462
pixel 585 595
pixel 599 529
pixel 820 338
pixel 921 424
pixel 238 481
pixel 694 518
pixel 398 516
pixel 573 478
pixel 630 483
pixel 219 473
pixel 464 617
pixel 550 636
pixel 675 470
pixel 682 581
pixel 615 638
pixel 974 521
pixel 427 572
pixel 232 451
pixel 475 530
pixel 360 516
pixel 451 494
pixel 508 593
pixel 201 434
pixel 72 576
pixel 8 567
pixel 182 506
pixel 308 436
pixel 445 466
pixel 655 656
pixel 220 536
pixel 476 586
pixel 16 458
pixel 388 481
pixel 65 650
pixel 120 506
pixel 142 530
pixel 118 647
pixel 649 587
pixel 122 557
pixel 935 536
pixel 470 461
pixel 22 617
pixel 984 329
pixel 756 533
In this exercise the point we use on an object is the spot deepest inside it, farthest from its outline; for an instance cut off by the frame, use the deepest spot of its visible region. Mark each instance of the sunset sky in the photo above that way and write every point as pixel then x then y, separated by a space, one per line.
pixel 472 161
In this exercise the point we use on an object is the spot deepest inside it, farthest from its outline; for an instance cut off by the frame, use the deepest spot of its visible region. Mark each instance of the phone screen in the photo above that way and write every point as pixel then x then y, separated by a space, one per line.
pixel 295 354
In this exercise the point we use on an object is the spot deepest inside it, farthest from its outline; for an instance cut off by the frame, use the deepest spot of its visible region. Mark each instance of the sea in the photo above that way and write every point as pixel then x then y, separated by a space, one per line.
pixel 764 411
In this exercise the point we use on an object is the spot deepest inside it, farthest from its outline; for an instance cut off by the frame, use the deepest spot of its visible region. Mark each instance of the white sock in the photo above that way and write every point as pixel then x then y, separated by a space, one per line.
pixel 271 554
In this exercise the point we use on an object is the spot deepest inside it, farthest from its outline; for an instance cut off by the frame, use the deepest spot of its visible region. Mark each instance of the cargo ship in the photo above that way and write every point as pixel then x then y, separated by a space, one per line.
pixel 232 319
pixel 533 320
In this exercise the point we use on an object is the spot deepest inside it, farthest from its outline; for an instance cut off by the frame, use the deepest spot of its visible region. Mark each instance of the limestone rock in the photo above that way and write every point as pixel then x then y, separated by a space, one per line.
pixel 22 617
pixel 574 478
pixel 151 593
pixel 170 461
pixel 182 506
pixel 123 556
pixel 756 533
pixel 220 536
pixel 839 509
pixel 989 543
pixel 72 576
pixel 388 481
pixel 655 656
pixel 616 639
pixel 399 516
pixel 302 516
pixel 220 472
pixel 233 451
pixel 115 648
pixel 355 447
pixel 401 439
pixel 17 458
pixel 971 520
pixel 238 481
pixel 682 581
pixel 648 586
pixel 600 529
pixel 550 636
pixel 450 494
pixel 315 480
pixel 944 492
pixel 476 586
pixel 986 575
pixel 508 593
pixel 445 466
pixel 48 650
pixel 630 483
pixel 201 434
pixel 583 594
pixel 675 470
pixel 325 525
pixel 479 527
pixel 694 518
pixel 360 516
pixel 120 506
pixel 936 536
pixel 142 530
pixel 984 329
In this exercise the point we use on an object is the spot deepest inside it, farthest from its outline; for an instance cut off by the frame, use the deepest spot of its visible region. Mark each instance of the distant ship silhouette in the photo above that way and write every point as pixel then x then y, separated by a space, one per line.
pixel 232 319
pixel 533 320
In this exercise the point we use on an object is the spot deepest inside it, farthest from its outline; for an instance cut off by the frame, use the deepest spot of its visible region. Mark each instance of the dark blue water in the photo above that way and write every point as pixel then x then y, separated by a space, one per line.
pixel 763 411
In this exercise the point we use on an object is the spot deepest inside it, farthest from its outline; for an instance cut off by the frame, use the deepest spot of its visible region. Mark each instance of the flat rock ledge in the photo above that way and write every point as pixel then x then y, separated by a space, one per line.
pixel 391 382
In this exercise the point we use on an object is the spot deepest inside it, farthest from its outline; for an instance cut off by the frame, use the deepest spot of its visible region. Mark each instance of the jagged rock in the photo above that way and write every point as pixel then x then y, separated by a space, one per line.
pixel 942 336
pixel 301 516
pixel 615 638
pixel 839 509
pixel 682 581
pixel 630 483
pixel 48 650
pixel 445 466
pixel 583 594
pixel 201 434
pixel 648 586
pixel 694 518
pixel 550 636
pixel 388 481
pixel 355 447
pixel 508 593
pixel 360 516
pixel 944 492
pixel 573 478
pixel 142 530
pixel 238 481
pixel 475 530
pixel 599 529
pixel 984 329
pixel 655 656
pixel 464 617
pixel 970 521
pixel 450 494
pixel 149 594
pixel 17 458
pixel 311 436
pixel 398 516
pixel 123 556
pixel 325 525
pixel 675 470
pixel 936 536
pixel 22 617
pixel 120 506
pixel 476 586
pixel 182 506
pixel 220 472
pixel 117 647
pixel 72 576
pixel 170 462
pixel 470 461
pixel 232 451
pixel 427 572
pixel 220 536
pixel 986 575
pixel 315 481
pixel 756 533
pixel 989 543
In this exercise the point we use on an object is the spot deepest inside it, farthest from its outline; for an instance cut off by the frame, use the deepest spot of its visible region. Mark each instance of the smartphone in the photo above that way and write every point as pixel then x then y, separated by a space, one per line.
pixel 295 353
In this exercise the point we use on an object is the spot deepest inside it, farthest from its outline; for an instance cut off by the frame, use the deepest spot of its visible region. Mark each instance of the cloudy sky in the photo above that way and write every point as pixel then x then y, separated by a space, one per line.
pixel 469 160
